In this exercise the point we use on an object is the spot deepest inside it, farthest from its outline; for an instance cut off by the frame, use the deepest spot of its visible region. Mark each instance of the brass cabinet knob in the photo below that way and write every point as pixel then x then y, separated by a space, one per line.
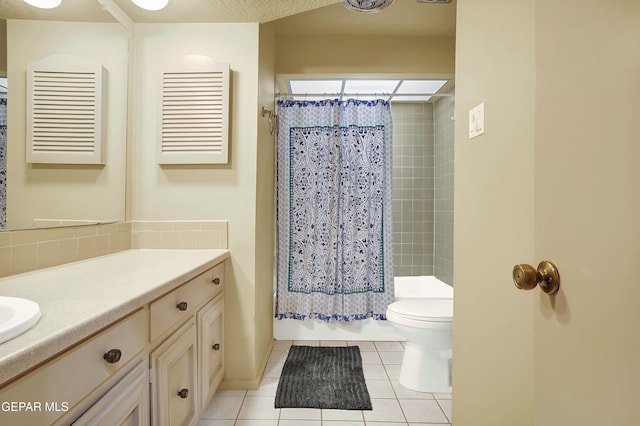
pixel 113 356
pixel 546 276
pixel 216 281
pixel 183 393
pixel 182 306
pixel 216 347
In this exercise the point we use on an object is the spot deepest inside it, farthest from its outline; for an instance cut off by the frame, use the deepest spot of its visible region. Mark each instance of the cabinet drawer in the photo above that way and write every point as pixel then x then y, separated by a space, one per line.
pixel 67 379
pixel 127 403
pixel 211 349
pixel 181 303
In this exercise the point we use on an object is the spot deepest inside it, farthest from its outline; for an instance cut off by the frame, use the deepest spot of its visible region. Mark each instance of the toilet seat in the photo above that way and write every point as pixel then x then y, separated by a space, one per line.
pixel 431 310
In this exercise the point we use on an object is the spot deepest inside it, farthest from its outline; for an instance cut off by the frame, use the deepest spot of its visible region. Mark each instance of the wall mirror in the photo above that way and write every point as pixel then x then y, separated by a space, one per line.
pixel 47 195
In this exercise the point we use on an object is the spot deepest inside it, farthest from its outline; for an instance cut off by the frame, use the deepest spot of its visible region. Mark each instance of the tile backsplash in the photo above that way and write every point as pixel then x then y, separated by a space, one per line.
pixel 28 250
pixel 179 234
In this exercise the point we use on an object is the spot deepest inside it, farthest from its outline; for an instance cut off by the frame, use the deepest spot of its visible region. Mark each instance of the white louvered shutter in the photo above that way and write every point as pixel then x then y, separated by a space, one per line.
pixel 195 110
pixel 65 96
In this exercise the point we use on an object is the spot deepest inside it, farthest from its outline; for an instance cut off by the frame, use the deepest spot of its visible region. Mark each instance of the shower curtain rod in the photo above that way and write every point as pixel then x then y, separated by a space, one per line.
pixel 288 95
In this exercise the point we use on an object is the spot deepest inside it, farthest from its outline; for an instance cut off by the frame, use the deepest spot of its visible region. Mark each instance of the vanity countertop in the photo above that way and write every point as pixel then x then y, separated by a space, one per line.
pixel 78 299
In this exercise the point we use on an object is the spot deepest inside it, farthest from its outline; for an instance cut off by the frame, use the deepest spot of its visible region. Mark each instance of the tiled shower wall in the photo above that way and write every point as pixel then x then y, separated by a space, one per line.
pixel 423 189
pixel 413 203
pixel 443 186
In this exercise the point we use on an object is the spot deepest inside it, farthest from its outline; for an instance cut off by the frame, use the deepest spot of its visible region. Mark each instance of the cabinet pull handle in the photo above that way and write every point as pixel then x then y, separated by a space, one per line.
pixel 216 347
pixel 182 306
pixel 183 393
pixel 113 356
pixel 216 281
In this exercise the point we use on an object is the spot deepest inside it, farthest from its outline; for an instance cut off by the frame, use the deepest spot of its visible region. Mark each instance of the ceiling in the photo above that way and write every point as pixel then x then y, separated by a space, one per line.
pixel 403 17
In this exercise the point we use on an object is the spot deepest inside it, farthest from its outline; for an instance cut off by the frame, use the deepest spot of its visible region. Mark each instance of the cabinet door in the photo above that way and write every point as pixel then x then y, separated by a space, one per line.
pixel 173 376
pixel 210 349
pixel 125 404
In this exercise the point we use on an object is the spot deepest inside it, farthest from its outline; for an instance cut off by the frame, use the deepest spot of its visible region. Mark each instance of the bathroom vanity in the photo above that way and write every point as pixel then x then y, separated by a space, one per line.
pixel 135 337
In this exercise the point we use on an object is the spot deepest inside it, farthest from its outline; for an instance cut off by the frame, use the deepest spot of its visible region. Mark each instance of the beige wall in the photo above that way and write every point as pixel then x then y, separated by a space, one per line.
pixel 3 46
pixel 494 207
pixel 66 191
pixel 265 192
pixel 225 192
pixel 366 54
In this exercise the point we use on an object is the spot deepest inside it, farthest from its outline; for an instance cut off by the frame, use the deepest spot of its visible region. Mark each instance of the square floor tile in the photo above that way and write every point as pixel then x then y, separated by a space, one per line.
pixel 255 422
pixel 282 345
pixel 374 372
pixel 393 371
pixel 365 346
pixel 278 356
pixel 442 395
pixel 370 358
pixel 259 408
pixel 226 407
pixel 445 404
pixel 342 415
pixel 300 423
pixel 306 342
pixel 230 392
pixel 404 393
pixel 333 343
pixel 268 387
pixel 391 357
pixel 273 369
pixel 209 422
pixel 389 346
pixel 300 414
pixel 422 411
pixel 384 410
pixel 380 389
pixel 341 423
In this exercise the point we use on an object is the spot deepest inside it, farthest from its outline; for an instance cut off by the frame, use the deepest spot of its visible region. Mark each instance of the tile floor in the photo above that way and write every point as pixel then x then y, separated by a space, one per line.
pixel 392 403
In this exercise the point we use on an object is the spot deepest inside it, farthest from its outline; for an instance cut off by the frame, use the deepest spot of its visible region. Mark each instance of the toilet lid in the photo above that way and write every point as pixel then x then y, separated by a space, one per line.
pixel 440 310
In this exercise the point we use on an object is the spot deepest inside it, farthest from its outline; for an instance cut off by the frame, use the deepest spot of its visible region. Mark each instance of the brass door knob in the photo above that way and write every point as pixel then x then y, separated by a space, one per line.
pixel 546 276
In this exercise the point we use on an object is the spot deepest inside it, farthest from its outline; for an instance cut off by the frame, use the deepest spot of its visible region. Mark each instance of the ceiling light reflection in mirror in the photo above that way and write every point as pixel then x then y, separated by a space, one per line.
pixel 151 4
pixel 44 4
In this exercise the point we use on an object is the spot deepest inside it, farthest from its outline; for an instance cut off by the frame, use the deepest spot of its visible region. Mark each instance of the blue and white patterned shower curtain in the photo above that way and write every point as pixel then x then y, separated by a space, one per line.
pixel 335 258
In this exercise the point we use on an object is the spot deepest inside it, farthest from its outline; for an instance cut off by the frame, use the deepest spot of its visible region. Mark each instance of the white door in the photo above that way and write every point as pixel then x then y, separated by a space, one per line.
pixel 556 176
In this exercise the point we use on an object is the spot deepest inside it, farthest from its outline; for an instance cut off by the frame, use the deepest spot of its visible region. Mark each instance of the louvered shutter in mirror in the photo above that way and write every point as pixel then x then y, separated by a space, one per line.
pixel 65 97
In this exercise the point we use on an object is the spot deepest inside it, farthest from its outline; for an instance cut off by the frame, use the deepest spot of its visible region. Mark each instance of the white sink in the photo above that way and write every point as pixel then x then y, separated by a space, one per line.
pixel 16 316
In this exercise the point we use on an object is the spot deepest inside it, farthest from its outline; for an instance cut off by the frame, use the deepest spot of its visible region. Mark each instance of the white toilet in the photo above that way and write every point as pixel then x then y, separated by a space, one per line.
pixel 427 325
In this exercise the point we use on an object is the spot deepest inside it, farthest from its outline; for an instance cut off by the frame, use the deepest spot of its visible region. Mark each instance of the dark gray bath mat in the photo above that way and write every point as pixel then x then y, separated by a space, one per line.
pixel 323 377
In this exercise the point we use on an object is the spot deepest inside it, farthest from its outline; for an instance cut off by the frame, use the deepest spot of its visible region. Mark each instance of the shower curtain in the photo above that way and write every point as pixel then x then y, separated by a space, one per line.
pixel 335 258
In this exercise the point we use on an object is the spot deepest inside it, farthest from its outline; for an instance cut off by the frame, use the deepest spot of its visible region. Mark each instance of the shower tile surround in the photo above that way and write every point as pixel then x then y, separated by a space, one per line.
pixel 28 250
pixel 422 180
pixel 443 186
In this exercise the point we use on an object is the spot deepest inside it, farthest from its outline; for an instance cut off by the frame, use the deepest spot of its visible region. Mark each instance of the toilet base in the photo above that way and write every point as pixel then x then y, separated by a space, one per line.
pixel 425 370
